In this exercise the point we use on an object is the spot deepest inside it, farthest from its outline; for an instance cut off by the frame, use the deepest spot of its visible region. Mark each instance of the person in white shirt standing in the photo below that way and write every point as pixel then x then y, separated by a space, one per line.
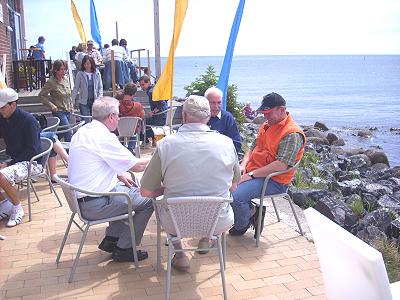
pixel 98 162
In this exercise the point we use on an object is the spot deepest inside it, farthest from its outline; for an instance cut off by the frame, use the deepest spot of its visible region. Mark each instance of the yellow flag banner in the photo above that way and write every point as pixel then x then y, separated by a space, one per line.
pixel 78 22
pixel 3 84
pixel 164 87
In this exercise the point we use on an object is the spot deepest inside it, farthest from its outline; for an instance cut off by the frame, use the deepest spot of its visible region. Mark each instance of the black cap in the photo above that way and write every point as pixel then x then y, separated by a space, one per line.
pixel 272 100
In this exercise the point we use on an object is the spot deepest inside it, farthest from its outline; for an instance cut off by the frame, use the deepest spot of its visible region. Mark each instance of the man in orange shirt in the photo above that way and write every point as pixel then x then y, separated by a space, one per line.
pixel 279 145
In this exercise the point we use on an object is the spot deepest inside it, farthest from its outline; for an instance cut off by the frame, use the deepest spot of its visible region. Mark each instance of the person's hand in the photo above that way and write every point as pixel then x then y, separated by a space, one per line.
pixel 3 165
pixel 242 169
pixel 151 114
pixel 245 177
pixel 54 109
pixel 127 181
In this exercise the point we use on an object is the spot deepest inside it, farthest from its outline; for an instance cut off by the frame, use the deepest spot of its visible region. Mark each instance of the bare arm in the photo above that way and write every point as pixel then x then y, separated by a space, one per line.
pixel 151 194
pixel 245 161
pixel 275 166
pixel 140 166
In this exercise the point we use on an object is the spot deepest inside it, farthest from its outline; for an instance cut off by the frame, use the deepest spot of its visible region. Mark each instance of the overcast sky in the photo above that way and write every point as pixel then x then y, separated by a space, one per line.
pixel 304 27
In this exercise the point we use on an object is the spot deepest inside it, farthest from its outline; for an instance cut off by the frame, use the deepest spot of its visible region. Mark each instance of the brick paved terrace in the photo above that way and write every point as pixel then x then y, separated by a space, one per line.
pixel 285 266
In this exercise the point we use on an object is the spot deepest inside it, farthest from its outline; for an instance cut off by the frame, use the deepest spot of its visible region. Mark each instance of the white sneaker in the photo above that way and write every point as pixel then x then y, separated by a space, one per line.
pixel 16 216
pixel 5 209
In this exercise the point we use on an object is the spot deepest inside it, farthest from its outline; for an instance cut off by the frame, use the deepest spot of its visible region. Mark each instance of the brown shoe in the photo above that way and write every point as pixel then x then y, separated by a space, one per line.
pixel 181 264
pixel 203 244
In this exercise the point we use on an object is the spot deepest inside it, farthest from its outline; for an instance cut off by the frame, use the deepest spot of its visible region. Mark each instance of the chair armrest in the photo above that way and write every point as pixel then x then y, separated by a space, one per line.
pixel 276 174
pixel 69 127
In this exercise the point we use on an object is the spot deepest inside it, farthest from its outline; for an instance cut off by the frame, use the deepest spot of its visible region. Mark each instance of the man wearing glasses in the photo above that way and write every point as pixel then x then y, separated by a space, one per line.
pixel 98 162
pixel 279 145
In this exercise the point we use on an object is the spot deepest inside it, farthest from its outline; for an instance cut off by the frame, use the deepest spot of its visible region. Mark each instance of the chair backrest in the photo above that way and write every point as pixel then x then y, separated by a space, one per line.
pixel 46 146
pixel 70 127
pixel 278 173
pixel 76 118
pixel 351 268
pixel 69 193
pixel 127 126
pixel 195 216
pixel 52 124
pixel 170 116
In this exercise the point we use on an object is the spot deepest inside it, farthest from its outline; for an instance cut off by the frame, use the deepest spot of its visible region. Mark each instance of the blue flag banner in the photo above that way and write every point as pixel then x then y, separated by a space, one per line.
pixel 226 66
pixel 94 24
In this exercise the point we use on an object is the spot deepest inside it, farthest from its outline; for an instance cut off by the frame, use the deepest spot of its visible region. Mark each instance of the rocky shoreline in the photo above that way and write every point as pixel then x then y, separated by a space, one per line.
pixel 356 188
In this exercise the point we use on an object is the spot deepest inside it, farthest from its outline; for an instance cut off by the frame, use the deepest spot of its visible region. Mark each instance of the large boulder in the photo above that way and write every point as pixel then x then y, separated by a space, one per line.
pixel 389 202
pixel 317 140
pixel 377 156
pixel 364 133
pixel 359 161
pixel 337 211
pixel 349 187
pixel 379 167
pixel 321 126
pixel 379 218
pixel 377 188
pixel 331 137
pixel 370 234
pixel 315 133
pixel 370 201
pixel 338 142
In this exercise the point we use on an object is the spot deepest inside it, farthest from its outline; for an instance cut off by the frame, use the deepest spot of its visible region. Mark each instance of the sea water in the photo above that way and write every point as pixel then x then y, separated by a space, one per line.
pixel 344 92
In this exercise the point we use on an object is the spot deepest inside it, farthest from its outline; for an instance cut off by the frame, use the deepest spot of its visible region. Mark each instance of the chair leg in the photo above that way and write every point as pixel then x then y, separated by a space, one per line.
pixel 52 189
pixel 221 264
pixel 158 246
pixel 295 215
pixel 65 238
pixel 71 275
pixel 224 248
pixel 276 210
pixel 29 199
pixel 258 231
pixel 34 191
pixel 169 266
pixel 132 228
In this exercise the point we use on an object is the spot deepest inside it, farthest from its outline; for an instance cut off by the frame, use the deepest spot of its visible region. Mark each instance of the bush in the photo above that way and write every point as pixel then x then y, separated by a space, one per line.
pixel 209 79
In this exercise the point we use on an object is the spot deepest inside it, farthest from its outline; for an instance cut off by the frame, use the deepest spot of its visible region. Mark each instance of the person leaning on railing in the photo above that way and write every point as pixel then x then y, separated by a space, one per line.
pixel 56 95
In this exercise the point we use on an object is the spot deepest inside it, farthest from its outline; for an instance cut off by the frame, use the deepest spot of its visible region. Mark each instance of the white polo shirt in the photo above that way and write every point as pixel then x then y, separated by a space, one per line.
pixel 96 157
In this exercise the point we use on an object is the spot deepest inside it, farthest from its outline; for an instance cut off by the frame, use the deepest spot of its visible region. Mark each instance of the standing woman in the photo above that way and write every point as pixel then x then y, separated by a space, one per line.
pixel 56 95
pixel 89 86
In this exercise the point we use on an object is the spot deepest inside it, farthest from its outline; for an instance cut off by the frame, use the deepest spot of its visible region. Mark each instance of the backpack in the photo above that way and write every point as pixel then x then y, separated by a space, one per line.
pixel 41 120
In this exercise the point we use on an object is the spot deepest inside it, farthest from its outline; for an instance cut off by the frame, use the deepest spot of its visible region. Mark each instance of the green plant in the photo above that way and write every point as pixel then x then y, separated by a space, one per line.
pixel 391 257
pixel 357 207
pixel 209 79
pixel 309 203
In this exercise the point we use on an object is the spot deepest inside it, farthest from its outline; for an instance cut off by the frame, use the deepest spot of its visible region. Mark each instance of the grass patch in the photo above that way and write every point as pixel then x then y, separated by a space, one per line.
pixel 391 257
pixel 357 208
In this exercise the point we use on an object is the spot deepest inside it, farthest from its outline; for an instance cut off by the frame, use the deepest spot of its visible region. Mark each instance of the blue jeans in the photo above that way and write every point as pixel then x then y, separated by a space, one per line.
pixel 247 191
pixel 64 120
pixel 86 110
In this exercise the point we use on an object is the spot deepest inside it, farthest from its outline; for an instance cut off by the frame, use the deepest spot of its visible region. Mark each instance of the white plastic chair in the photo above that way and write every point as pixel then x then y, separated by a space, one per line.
pixel 70 195
pixel 52 124
pixel 193 217
pixel 165 128
pixel 47 145
pixel 127 129
pixel 260 202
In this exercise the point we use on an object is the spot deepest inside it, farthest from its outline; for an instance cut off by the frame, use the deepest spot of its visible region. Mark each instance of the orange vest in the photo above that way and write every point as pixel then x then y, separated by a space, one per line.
pixel 267 145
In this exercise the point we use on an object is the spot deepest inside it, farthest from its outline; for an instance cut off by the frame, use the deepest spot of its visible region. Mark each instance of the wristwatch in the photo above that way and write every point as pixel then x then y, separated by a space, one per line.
pixel 251 175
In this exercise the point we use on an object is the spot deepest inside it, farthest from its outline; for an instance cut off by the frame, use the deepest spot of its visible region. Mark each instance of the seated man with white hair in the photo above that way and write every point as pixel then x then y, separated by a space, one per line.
pixel 20 132
pixel 222 120
pixel 98 162
pixel 195 161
